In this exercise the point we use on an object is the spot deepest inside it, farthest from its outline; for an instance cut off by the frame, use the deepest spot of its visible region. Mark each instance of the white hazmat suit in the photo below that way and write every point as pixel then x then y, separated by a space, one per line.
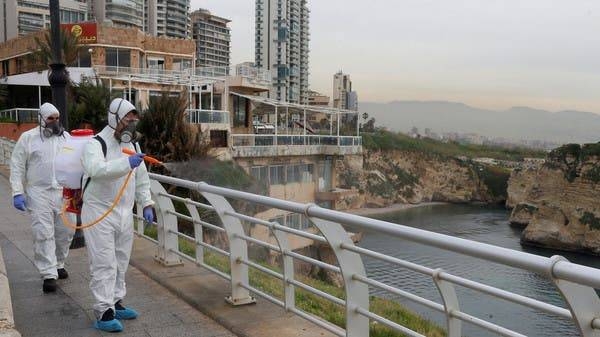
pixel 109 242
pixel 32 174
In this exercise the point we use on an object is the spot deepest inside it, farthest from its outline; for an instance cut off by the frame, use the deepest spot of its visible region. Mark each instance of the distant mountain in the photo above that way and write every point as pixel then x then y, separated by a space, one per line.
pixel 517 123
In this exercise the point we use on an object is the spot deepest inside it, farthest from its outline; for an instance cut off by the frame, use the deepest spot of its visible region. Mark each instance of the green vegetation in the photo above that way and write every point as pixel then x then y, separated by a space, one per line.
pixel 90 104
pixel 526 207
pixel 385 140
pixel 568 158
pixel 590 219
pixel 593 174
pixel 496 180
pixel 317 305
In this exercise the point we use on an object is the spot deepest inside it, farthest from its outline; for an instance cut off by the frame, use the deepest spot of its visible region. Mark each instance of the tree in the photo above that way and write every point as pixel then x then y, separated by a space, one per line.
pixel 168 135
pixel 90 105
pixel 42 56
pixel 369 126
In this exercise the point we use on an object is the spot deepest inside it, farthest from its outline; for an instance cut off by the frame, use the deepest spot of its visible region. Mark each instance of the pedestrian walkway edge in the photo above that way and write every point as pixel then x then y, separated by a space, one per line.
pixel 7 321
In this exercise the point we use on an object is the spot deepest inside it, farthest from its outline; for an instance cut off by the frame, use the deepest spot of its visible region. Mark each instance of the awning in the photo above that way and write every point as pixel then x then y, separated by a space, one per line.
pixel 294 106
pixel 40 78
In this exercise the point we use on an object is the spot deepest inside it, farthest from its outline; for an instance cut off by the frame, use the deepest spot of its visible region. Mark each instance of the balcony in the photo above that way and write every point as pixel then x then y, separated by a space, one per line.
pixel 198 116
pixel 251 145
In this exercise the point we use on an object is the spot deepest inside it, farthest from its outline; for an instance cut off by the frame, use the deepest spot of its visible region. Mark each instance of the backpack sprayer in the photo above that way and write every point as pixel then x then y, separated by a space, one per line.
pixel 69 174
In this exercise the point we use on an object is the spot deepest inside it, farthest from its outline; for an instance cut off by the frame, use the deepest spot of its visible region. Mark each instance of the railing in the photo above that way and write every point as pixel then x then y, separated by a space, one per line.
pixel 20 115
pixel 199 74
pixel 270 140
pixel 574 282
pixel 197 116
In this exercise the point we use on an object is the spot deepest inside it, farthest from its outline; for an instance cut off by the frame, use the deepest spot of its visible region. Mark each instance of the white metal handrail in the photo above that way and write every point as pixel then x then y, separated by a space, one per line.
pixel 239 140
pixel 198 116
pixel 576 283
pixel 20 115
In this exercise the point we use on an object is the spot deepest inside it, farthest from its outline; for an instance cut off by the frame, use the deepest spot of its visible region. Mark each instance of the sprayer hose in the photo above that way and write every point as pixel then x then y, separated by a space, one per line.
pixel 69 224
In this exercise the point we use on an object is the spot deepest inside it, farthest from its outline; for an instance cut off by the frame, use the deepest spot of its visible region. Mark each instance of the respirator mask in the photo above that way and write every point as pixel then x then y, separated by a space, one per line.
pixel 52 128
pixel 129 134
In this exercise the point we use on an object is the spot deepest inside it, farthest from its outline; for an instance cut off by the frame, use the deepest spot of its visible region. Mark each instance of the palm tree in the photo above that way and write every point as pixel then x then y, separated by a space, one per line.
pixel 168 135
pixel 43 54
pixel 90 103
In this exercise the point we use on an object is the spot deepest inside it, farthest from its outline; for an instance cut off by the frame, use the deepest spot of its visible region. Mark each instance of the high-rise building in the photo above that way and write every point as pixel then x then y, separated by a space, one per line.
pixel 282 38
pixel 126 14
pixel 172 18
pixel 21 17
pixel 168 18
pixel 213 39
pixel 343 96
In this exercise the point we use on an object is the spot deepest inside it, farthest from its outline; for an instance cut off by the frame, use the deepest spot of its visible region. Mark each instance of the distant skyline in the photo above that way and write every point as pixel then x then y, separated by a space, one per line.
pixel 491 54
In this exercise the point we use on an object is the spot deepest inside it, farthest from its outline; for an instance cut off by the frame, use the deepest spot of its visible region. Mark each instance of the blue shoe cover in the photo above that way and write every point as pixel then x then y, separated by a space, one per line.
pixel 126 313
pixel 109 326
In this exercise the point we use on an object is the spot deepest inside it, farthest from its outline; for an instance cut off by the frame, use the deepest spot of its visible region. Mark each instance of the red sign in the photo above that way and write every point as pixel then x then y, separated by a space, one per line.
pixel 86 32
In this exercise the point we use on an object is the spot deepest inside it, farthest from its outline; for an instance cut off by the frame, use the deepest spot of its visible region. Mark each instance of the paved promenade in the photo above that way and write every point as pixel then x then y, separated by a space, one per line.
pixel 68 311
pixel 184 300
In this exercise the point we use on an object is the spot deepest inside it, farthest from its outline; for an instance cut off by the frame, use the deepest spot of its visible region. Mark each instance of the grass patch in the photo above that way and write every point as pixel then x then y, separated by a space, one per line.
pixel 385 140
pixel 315 304
pixel 496 180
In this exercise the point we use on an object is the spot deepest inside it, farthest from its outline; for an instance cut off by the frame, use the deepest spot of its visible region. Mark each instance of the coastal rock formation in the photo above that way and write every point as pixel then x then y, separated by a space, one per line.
pixel 558 202
pixel 389 177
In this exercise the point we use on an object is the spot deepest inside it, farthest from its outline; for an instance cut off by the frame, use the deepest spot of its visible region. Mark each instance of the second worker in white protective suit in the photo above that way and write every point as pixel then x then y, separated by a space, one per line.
pixel 109 243
pixel 36 190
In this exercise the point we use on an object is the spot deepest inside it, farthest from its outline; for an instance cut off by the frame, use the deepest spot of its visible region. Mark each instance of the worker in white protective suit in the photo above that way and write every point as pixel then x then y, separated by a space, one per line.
pixel 35 189
pixel 109 242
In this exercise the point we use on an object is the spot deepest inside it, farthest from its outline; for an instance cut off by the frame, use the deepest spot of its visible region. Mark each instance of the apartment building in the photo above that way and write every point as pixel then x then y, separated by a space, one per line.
pixel 282 38
pixel 213 39
pixel 22 17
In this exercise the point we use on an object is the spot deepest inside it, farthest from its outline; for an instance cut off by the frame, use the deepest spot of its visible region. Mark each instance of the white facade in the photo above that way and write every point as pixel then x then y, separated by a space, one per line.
pixel 282 37
pixel 213 39
pixel 21 17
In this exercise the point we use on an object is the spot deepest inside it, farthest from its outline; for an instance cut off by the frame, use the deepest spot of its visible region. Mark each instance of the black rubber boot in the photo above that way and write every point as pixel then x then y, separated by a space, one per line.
pixel 49 285
pixel 62 273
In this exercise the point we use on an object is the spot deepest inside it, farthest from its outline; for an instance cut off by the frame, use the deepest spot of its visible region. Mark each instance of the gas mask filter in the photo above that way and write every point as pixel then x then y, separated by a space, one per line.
pixel 129 133
pixel 52 129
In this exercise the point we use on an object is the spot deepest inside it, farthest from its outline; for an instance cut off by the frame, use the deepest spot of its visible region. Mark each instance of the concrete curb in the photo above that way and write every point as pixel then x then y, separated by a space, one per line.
pixel 7 321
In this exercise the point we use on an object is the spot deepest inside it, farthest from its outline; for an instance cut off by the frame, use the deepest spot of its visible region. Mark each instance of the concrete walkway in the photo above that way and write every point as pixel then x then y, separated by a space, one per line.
pixel 68 311
pixel 184 300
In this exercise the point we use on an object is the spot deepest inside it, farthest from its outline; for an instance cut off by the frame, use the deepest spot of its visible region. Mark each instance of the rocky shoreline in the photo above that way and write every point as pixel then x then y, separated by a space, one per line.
pixel 557 202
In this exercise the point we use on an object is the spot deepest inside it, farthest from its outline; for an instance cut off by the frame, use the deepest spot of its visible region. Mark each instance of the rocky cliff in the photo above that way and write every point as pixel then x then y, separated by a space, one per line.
pixel 389 177
pixel 558 202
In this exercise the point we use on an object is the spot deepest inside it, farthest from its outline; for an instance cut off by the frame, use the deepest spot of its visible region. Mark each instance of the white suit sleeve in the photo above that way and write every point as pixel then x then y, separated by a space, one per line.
pixel 18 165
pixel 95 166
pixel 142 187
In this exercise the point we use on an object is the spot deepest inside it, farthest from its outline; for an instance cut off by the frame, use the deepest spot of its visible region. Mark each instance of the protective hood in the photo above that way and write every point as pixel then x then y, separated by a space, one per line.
pixel 117 110
pixel 47 110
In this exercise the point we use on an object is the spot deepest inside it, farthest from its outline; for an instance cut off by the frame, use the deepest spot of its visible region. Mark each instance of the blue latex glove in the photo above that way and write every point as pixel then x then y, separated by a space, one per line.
pixel 149 214
pixel 135 160
pixel 19 202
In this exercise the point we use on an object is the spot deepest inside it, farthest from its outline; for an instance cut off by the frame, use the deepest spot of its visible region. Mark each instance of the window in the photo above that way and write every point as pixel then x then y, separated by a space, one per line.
pixel 181 64
pixel 259 173
pixel 277 175
pixel 116 57
pixel 239 112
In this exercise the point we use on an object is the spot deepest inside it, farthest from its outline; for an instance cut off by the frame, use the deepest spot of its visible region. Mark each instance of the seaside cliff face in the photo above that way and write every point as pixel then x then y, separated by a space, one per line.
pixel 389 177
pixel 558 202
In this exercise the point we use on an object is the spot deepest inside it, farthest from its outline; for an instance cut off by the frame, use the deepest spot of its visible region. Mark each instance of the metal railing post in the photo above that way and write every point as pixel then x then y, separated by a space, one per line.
pixel 237 247
pixel 582 301
pixel 288 268
pixel 198 231
pixel 451 304
pixel 168 242
pixel 357 293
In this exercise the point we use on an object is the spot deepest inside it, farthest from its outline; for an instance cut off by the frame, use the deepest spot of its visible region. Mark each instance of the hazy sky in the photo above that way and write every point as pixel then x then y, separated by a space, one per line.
pixel 486 53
